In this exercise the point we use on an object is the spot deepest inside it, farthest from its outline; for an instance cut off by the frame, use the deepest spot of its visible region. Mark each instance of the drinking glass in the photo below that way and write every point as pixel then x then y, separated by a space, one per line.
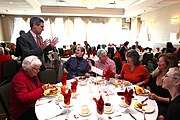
pixel 127 110
pixel 63 89
pixel 73 89
pixel 67 100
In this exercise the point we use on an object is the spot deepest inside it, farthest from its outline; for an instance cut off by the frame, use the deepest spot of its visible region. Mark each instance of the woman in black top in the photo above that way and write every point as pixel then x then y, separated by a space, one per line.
pixel 161 95
pixel 171 82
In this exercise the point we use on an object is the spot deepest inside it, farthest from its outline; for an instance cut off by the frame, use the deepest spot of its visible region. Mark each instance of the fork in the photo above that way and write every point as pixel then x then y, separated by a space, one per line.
pixel 57 103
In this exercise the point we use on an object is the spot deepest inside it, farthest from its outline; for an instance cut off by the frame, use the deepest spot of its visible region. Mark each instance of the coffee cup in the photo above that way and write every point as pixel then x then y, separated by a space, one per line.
pixel 84 109
pixel 59 98
pixel 123 103
pixel 107 107
pixel 83 82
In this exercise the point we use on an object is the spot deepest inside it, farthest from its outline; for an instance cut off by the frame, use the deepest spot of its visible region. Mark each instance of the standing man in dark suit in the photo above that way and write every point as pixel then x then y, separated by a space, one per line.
pixel 18 48
pixel 31 43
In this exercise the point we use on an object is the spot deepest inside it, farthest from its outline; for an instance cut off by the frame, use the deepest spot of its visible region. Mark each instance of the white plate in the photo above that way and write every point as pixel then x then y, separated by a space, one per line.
pixel 59 98
pixel 148 108
pixel 145 94
pixel 47 91
pixel 126 83
pixel 81 78
pixel 109 112
pixel 84 115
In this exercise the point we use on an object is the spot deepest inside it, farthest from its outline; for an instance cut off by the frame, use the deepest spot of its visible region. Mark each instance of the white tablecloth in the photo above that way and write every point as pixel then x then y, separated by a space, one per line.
pixel 45 109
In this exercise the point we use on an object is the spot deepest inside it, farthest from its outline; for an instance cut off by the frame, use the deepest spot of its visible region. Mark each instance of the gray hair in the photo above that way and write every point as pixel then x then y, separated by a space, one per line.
pixel 30 62
pixel 101 52
pixel 35 20
pixel 1 50
pixel 176 72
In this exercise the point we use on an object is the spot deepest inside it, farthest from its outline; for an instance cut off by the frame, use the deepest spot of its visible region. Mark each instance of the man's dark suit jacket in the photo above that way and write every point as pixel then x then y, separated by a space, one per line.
pixel 29 46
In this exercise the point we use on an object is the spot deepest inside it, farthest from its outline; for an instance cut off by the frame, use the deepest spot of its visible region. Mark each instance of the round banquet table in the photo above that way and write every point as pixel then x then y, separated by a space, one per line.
pixel 47 109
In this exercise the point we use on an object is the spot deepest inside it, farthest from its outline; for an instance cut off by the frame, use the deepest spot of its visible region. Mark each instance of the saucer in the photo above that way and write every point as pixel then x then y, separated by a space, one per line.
pixel 84 115
pixel 68 106
pixel 123 105
pixel 148 108
pixel 109 112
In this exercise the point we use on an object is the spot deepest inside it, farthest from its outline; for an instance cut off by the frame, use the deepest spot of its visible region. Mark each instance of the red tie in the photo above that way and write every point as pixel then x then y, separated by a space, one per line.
pixel 38 41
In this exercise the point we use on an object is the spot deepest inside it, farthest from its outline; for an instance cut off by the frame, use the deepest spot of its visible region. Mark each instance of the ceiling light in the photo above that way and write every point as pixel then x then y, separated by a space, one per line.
pixel 91 4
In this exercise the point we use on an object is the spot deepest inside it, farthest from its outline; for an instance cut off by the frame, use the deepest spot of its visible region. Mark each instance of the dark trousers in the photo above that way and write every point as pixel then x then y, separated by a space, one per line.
pixel 28 115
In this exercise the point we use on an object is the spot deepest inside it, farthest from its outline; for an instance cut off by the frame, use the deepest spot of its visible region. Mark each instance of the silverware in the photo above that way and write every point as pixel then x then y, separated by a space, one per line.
pixel 44 103
pixel 144 100
pixel 144 112
pixel 63 112
pixel 132 116
pixel 76 117
pixel 57 103
pixel 111 117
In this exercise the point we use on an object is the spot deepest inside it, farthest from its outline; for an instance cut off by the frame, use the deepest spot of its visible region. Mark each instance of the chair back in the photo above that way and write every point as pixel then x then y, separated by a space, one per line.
pixel 48 76
pixel 118 64
pixel 146 58
pixel 110 52
pixel 9 69
pixel 4 98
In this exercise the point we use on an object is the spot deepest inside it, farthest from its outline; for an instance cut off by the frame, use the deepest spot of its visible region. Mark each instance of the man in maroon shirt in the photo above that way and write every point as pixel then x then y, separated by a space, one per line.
pixel 3 58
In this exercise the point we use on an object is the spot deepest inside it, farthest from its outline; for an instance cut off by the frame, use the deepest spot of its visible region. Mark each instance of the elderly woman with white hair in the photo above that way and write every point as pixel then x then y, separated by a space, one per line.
pixel 171 82
pixel 104 63
pixel 26 89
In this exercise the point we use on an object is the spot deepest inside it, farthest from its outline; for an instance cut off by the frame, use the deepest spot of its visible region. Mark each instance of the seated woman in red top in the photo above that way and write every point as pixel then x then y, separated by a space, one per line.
pixel 3 58
pixel 26 89
pixel 133 71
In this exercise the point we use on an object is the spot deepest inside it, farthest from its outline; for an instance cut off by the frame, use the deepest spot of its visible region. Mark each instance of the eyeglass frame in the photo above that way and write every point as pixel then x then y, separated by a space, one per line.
pixel 36 69
pixel 166 76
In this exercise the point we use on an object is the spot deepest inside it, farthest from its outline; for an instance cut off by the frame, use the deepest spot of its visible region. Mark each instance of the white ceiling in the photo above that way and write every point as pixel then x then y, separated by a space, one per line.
pixel 77 8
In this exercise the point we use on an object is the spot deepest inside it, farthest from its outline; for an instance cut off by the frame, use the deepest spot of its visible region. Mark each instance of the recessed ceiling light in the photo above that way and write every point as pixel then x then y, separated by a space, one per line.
pixel 10 2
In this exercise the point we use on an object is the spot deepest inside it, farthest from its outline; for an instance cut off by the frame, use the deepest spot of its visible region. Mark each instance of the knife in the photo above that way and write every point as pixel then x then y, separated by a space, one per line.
pixel 63 112
pixel 132 116
pixel 144 100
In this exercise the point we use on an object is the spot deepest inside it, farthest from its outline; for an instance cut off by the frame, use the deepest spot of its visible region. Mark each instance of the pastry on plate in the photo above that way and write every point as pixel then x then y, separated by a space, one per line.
pixel 50 92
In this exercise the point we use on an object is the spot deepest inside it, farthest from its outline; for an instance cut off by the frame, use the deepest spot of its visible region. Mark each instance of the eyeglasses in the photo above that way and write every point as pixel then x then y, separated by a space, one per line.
pixel 166 76
pixel 35 69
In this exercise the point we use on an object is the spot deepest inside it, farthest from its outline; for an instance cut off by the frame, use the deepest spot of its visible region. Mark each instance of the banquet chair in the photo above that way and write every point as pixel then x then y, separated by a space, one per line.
pixel 9 69
pixel 61 52
pixel 4 99
pixel 110 52
pixel 146 58
pixel 48 76
pixel 118 64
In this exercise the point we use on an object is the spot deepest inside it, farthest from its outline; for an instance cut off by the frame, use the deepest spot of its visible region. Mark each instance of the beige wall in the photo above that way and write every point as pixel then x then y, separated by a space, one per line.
pixel 1 33
pixel 159 24
pixel 6 29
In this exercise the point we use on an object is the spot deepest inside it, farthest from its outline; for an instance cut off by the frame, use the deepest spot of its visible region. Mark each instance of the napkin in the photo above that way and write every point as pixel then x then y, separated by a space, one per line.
pixel 99 104
pixel 70 53
pixel 67 97
pixel 63 79
pixel 128 95
pixel 93 52
pixel 107 74
pixel 74 85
